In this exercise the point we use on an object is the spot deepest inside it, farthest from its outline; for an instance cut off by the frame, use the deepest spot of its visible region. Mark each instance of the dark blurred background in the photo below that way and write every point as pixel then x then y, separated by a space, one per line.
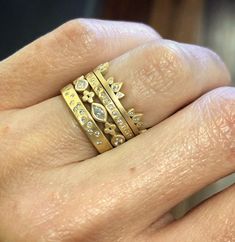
pixel 207 22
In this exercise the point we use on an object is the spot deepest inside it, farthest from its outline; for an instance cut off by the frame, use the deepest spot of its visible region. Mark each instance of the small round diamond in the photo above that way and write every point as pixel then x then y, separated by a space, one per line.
pixel 90 131
pixel 136 119
pixel 117 140
pixel 89 124
pixel 81 112
pixel 72 102
pixel 111 106
pixel 106 101
pixel 75 109
pixel 115 113
pixel 97 133
pixel 100 89
pixel 83 119
pixel 103 95
pixel 119 121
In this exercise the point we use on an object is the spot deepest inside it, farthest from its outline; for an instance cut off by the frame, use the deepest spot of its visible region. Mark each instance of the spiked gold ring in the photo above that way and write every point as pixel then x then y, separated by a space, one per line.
pixel 95 103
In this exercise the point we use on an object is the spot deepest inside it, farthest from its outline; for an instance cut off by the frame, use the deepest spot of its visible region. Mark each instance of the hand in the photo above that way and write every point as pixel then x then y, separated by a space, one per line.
pixel 53 185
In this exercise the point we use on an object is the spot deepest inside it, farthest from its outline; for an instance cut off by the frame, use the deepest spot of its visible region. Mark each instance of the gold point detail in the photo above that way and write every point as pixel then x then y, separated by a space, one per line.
pixel 110 80
pixel 136 117
pixel 131 112
pixel 120 95
pixel 103 68
pixel 116 86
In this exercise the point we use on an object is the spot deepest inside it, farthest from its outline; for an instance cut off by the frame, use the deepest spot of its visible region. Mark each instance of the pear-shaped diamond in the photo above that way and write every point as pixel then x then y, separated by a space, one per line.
pixel 110 80
pixel 99 112
pixel 116 86
pixel 137 118
pixel 120 95
pixel 81 84
pixel 103 68
pixel 131 112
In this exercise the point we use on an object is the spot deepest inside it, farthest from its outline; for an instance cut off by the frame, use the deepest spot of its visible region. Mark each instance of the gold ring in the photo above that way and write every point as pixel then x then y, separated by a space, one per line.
pixel 109 105
pixel 95 103
pixel 94 133
pixel 113 89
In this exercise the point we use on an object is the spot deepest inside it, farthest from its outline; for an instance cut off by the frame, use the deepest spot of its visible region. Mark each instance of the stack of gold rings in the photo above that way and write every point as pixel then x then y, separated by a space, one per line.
pixel 95 103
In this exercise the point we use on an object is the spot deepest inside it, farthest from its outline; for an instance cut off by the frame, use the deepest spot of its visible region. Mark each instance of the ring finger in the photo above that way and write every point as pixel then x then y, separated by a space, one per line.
pixel 159 78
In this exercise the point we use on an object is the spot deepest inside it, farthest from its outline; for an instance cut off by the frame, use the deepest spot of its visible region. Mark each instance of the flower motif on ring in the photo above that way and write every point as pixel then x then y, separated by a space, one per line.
pixel 110 128
pixel 88 96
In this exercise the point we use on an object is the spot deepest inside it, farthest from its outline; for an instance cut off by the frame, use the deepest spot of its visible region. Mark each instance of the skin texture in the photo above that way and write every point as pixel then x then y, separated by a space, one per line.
pixel 53 185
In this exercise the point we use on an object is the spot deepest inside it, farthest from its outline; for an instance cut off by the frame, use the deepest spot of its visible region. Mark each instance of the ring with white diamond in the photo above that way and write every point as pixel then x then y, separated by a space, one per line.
pixel 133 119
pixel 85 119
pixel 94 116
pixel 104 111
pixel 109 105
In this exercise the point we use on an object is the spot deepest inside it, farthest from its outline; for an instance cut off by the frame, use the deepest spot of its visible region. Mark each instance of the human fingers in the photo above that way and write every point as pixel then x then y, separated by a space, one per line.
pixel 163 76
pixel 174 65
pixel 152 173
pixel 39 70
pixel 103 198
pixel 214 220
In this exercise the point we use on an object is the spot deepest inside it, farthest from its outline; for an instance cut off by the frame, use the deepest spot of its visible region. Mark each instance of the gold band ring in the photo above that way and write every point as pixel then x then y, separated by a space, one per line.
pixel 85 119
pixel 109 105
pixel 113 89
pixel 95 103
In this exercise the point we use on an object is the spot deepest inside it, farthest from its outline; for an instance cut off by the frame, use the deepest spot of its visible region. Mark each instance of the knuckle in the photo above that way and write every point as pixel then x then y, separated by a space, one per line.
pixel 77 33
pixel 223 72
pixel 148 30
pixel 221 103
pixel 212 54
pixel 219 111
pixel 165 67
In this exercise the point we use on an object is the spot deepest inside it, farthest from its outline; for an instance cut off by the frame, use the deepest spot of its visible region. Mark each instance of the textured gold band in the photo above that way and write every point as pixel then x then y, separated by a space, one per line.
pixel 88 124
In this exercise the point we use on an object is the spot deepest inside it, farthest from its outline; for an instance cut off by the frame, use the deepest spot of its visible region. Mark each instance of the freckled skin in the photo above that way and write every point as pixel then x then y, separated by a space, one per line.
pixel 54 187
